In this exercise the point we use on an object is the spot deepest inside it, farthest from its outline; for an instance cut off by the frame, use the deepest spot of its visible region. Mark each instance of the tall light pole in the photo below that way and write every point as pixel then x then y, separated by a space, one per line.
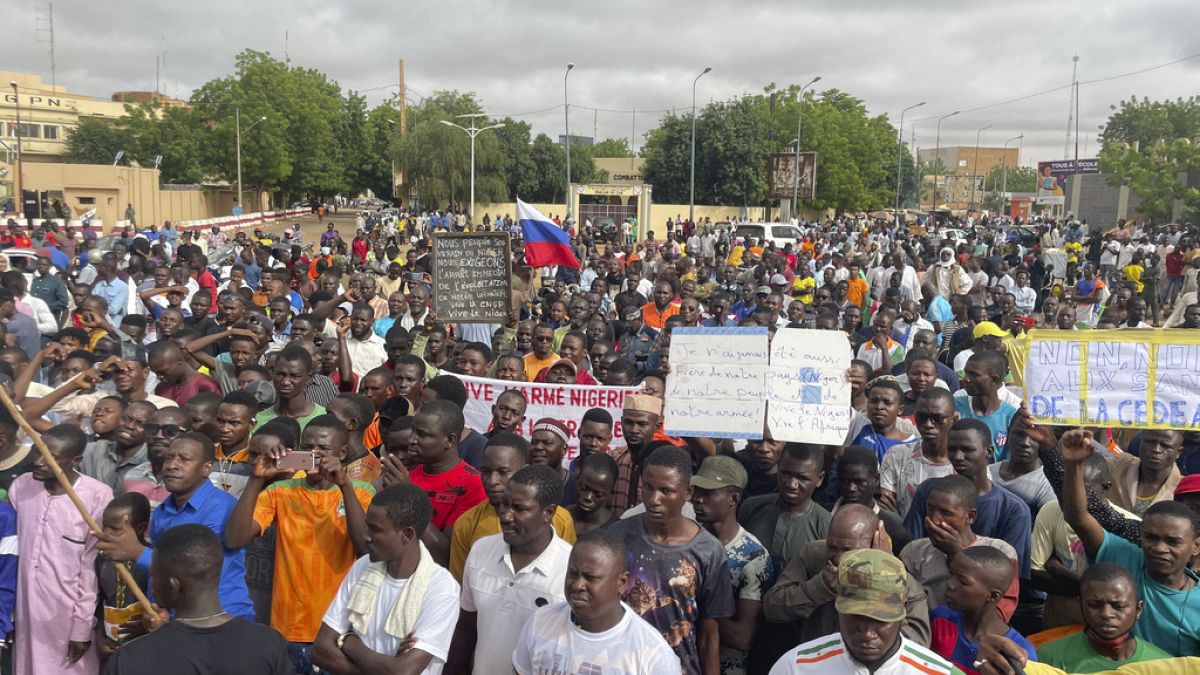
pixel 975 167
pixel 20 199
pixel 472 131
pixel 567 142
pixel 237 116
pixel 1004 163
pixel 796 171
pixel 900 155
pixel 937 157
pixel 692 194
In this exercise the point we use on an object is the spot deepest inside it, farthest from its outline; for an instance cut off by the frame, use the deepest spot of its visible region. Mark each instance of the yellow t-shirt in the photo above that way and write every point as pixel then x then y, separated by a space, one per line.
pixel 534 365
pixel 802 289
pixel 1073 249
pixel 735 256
pixel 481 520
pixel 313 551
pixel 1133 272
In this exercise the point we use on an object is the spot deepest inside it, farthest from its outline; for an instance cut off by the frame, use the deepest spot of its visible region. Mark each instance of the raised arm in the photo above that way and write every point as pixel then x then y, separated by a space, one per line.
pixel 1076 447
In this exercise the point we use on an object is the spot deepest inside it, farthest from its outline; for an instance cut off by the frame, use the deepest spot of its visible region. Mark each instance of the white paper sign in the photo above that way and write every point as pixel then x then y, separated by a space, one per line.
pixel 718 383
pixel 728 382
pixel 809 395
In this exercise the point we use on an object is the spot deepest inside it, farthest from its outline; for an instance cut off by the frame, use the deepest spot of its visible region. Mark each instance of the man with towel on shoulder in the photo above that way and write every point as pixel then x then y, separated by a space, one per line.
pixel 394 592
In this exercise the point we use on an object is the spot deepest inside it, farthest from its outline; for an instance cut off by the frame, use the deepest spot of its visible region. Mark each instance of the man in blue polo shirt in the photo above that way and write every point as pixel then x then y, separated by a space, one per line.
pixel 1160 564
pixel 193 500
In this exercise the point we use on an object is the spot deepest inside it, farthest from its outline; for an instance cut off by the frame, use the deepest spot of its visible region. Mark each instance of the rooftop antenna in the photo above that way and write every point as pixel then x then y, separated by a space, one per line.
pixel 43 17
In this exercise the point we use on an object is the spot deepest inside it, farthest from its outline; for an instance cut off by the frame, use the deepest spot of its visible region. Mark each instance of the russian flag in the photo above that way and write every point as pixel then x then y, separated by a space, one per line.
pixel 545 243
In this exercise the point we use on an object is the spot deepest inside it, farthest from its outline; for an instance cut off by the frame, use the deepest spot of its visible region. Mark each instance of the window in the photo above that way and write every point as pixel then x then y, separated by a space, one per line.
pixel 26 130
pixel 50 132
pixel 87 201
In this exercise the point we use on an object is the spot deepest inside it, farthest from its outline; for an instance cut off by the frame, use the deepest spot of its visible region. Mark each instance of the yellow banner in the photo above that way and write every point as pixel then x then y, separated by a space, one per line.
pixel 1121 379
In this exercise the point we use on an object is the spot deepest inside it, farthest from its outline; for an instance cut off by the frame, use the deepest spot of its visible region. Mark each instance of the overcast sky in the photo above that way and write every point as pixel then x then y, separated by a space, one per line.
pixel 953 55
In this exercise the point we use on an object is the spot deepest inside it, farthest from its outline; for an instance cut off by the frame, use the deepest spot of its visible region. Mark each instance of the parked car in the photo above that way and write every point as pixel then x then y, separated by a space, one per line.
pixel 780 233
pixel 605 229
pixel 1021 235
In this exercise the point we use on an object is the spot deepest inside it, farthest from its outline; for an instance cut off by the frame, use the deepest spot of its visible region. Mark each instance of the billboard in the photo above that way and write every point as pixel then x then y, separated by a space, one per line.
pixel 1052 178
pixel 781 171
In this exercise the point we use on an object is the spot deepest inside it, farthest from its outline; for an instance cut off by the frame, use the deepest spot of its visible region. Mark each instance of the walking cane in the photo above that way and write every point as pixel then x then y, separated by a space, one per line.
pixel 123 571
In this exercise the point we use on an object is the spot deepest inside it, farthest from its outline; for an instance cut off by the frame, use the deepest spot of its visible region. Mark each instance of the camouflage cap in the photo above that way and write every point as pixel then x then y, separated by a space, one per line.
pixel 871 583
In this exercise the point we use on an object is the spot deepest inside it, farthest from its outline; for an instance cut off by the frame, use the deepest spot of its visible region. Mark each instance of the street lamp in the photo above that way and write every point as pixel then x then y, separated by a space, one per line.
pixel 238 123
pixel 975 168
pixel 900 154
pixel 937 157
pixel 567 120
pixel 692 193
pixel 472 131
pixel 1004 163
pixel 796 170
pixel 20 201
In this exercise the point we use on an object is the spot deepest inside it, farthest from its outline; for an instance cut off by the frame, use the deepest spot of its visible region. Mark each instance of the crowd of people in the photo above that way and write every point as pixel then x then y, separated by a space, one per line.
pixel 271 435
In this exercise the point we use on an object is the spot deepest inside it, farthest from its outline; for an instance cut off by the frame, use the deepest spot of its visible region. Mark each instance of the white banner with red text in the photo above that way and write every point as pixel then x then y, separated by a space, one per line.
pixel 564 402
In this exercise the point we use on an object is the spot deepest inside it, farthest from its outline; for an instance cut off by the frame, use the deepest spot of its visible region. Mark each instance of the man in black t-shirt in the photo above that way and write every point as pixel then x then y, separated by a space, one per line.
pixel 202 638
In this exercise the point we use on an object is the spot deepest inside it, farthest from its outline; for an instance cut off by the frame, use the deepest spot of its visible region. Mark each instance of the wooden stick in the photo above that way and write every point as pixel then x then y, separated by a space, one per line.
pixel 122 570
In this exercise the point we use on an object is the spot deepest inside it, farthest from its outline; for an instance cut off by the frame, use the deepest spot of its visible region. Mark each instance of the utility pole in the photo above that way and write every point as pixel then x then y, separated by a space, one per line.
pixel 899 156
pixel 1071 106
pixel 472 131
pixel 567 139
pixel 692 193
pixel 795 214
pixel 46 15
pixel 17 182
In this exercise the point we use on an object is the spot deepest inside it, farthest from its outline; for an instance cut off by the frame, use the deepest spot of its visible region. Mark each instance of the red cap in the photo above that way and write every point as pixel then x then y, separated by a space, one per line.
pixel 1189 485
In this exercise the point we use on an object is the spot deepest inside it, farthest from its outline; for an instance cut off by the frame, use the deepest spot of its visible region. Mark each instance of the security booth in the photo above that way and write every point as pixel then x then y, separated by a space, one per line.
pixel 608 205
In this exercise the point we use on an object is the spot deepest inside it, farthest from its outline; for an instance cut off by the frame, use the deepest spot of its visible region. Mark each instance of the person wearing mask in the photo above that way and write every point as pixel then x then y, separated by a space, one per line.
pixel 579 634
pixel 508 576
pixel 1110 604
pixel 1170 539
pixel 716 494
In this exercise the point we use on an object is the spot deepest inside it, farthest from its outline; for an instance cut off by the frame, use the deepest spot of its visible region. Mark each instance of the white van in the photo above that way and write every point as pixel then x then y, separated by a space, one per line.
pixel 780 233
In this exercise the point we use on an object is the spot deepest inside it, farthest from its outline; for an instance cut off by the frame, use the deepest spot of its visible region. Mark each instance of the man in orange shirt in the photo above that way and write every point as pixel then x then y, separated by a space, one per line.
pixel 857 292
pixel 321 528
pixel 656 312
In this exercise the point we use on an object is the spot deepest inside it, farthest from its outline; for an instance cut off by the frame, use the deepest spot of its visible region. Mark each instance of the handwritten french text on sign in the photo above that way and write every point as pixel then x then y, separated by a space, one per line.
pixel 808 393
pixel 718 383
pixel 565 402
pixel 472 276
pixel 1133 379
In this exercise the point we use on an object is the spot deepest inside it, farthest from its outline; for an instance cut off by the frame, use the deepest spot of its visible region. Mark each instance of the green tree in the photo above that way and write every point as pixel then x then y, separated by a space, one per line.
pixel 667 153
pixel 1147 145
pixel 520 171
pixel 375 173
pixel 612 147
pixel 96 141
pixel 1020 179
pixel 550 161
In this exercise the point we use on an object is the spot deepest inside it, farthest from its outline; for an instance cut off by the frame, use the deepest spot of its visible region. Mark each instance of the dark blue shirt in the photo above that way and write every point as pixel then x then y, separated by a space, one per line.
pixel 1000 514
pixel 211 508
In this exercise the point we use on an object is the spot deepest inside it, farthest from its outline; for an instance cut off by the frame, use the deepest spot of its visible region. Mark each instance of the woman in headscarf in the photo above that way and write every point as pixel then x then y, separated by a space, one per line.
pixel 949 278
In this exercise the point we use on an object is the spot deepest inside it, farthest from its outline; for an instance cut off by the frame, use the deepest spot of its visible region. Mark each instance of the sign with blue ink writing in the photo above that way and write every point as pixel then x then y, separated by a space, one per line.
pixel 734 382
pixel 809 395
pixel 717 385
pixel 1122 379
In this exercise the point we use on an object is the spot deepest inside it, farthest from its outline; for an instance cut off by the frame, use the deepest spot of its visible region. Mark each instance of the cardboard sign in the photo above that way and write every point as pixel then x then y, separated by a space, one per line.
pixel 472 276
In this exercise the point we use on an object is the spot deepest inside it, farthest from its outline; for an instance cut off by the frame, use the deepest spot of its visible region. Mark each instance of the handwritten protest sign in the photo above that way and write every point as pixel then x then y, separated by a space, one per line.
pixel 729 383
pixel 717 385
pixel 565 402
pixel 808 393
pixel 1131 379
pixel 472 276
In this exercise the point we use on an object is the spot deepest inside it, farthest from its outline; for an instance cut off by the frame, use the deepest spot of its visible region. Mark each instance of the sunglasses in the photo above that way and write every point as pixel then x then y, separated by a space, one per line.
pixel 926 417
pixel 168 430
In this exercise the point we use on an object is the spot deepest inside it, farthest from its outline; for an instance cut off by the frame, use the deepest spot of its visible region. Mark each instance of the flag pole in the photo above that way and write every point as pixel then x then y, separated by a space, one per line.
pixel 122 571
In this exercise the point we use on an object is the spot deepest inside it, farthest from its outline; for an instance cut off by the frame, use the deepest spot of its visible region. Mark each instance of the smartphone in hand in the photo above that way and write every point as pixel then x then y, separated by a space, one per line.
pixel 297 460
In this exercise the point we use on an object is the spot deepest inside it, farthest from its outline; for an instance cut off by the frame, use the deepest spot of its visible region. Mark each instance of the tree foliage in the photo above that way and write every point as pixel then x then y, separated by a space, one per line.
pixel 1146 145
pixel 612 147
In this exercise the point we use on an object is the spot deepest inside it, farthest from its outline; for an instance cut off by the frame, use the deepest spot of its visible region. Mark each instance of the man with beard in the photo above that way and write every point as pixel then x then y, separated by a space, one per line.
pixel 716 494
pixel 186 464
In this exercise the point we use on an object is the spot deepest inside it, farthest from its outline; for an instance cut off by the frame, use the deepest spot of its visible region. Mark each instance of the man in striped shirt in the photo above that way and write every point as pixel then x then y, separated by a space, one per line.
pixel 870 606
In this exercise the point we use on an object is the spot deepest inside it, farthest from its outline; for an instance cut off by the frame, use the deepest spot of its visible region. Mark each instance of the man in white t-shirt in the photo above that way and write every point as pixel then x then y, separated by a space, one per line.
pixel 905 467
pixel 579 635
pixel 395 591
pixel 508 576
